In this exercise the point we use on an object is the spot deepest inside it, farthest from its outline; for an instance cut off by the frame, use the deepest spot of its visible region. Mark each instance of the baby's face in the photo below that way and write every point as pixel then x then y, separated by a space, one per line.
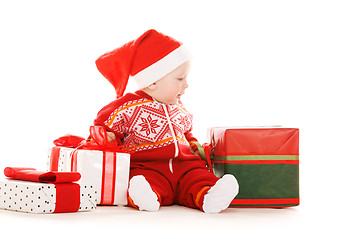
pixel 171 87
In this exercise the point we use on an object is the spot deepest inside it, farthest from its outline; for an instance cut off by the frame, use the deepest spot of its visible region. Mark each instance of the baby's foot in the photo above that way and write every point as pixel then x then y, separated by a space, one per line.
pixel 220 195
pixel 142 194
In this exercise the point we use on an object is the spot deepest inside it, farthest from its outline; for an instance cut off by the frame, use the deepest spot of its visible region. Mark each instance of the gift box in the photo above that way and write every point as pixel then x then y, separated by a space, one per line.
pixel 265 162
pixel 46 197
pixel 102 164
pixel 107 171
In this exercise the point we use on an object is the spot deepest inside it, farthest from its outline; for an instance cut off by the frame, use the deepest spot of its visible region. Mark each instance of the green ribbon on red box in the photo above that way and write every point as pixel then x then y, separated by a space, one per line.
pixel 257 159
pixel 265 162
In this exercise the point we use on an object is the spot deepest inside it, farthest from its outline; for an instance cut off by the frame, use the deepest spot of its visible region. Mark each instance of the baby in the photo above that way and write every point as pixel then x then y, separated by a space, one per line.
pixel 154 122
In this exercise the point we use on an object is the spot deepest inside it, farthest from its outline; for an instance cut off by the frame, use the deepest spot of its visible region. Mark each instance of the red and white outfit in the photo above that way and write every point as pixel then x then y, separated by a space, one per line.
pixel 160 134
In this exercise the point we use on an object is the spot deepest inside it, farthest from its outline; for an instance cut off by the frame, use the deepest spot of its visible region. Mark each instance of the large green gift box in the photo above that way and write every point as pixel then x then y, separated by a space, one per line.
pixel 265 162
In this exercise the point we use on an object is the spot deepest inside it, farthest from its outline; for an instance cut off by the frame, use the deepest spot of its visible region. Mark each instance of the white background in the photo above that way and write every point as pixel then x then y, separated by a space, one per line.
pixel 254 63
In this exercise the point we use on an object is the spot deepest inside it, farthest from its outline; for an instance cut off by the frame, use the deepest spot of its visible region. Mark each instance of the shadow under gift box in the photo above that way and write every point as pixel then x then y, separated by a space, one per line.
pixel 265 162
pixel 107 171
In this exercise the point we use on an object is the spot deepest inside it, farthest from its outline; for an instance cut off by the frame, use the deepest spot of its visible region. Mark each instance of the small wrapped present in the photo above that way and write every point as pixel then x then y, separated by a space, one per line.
pixel 33 191
pixel 101 164
pixel 265 162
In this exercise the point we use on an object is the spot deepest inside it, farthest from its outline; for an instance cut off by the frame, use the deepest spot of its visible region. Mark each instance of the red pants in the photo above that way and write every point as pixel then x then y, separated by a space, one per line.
pixel 183 182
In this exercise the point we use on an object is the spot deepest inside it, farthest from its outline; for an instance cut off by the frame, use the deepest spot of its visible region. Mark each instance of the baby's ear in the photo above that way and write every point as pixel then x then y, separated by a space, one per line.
pixel 152 86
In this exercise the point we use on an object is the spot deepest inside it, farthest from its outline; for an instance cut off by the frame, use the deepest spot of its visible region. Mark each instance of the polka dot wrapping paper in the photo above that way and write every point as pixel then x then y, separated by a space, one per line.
pixel 33 197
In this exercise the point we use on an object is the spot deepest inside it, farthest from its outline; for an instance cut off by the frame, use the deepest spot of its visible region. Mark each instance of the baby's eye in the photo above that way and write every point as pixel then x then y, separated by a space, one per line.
pixel 180 79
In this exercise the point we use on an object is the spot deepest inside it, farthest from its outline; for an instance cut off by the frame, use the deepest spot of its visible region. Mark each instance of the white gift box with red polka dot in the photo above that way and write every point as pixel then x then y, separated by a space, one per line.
pixel 107 171
pixel 34 197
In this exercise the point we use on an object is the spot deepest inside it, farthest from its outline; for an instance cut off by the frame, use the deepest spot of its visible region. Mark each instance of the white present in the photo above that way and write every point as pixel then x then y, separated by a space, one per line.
pixel 35 197
pixel 106 171
pixel 59 159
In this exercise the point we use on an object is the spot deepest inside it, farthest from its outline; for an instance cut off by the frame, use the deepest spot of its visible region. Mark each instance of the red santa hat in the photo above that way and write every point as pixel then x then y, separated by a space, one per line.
pixel 147 59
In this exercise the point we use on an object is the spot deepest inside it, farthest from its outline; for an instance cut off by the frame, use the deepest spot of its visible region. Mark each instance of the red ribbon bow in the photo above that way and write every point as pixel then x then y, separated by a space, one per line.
pixel 31 174
pixel 98 140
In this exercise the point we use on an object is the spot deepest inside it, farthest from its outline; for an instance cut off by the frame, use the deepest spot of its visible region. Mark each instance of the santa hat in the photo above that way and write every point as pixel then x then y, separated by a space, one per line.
pixel 147 59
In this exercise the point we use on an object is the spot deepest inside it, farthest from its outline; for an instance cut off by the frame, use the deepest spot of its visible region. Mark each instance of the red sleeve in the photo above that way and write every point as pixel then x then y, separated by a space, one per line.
pixel 190 138
pixel 105 114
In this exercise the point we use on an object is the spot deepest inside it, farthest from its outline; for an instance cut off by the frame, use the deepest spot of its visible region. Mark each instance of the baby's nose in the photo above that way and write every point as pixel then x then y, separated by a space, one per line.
pixel 185 85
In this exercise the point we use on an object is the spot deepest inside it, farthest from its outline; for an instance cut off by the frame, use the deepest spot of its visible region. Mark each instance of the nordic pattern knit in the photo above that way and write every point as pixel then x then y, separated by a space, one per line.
pixel 156 131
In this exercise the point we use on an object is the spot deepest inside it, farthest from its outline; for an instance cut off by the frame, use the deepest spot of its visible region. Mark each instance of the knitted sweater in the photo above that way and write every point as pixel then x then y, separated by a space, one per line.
pixel 156 131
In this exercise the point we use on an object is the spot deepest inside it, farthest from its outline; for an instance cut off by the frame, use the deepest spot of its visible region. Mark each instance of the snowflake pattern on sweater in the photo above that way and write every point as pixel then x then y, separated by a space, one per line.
pixel 145 124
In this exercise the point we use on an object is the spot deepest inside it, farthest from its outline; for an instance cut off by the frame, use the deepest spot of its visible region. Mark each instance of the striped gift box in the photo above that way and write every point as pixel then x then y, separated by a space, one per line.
pixel 265 162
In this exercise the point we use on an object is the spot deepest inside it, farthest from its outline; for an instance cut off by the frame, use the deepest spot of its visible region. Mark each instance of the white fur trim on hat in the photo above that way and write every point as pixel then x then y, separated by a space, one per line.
pixel 161 68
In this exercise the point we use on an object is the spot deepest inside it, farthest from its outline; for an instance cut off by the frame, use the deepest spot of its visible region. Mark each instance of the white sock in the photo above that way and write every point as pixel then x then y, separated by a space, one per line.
pixel 142 194
pixel 220 195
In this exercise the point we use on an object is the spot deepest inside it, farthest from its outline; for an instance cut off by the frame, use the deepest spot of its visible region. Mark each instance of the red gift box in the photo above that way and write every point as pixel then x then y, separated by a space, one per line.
pixel 265 162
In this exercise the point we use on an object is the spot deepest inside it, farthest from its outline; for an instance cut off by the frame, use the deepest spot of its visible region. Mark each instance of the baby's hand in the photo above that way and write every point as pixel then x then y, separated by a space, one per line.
pixel 111 136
